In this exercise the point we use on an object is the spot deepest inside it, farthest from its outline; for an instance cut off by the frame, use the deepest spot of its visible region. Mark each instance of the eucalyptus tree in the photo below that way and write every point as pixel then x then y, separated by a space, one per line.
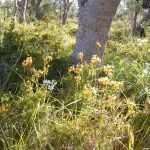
pixel 139 30
pixel 146 11
pixel 22 11
pixel 63 8
pixel 7 8
pixel 66 5
pixel 136 8
pixel 15 10
pixel 36 7
pixel 94 21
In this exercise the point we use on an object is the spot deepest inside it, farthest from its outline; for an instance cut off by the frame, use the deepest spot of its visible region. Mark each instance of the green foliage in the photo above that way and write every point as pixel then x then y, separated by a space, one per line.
pixel 84 106
pixel 120 31
pixel 10 54
pixel 136 69
pixel 21 41
pixel 11 43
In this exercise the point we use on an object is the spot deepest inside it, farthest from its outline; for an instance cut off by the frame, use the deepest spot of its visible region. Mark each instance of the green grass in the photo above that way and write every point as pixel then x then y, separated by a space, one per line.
pixel 78 114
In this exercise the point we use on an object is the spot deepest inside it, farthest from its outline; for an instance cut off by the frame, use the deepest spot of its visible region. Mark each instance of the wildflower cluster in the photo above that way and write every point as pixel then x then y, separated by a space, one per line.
pixel 117 84
pixel 87 91
pixel 51 84
pixel 108 70
pixel 4 108
pixel 95 60
pixel 47 59
pixel 76 69
pixel 80 56
pixel 131 106
pixel 27 63
pixel 41 72
pixel 112 101
pixel 105 82
pixel 38 73
pixel 78 79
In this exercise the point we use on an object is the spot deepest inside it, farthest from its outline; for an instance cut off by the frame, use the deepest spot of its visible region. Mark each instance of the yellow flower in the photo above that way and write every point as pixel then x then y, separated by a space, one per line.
pixel 109 43
pixel 27 63
pixel 95 60
pixel 131 108
pixel 77 79
pixel 48 59
pixel 2 110
pixel 108 70
pixel 80 56
pixel 117 84
pixel 112 101
pixel 98 45
pixel 104 81
pixel 77 70
pixel 71 69
pixel 87 92
pixel 39 73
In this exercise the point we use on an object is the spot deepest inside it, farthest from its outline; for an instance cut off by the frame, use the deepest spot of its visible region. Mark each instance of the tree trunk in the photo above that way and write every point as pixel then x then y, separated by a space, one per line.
pixel 94 21
pixel 15 10
pixel 64 16
pixel 139 28
pixel 22 10
pixel 146 4
pixel 37 9
pixel 135 17
pixel 145 16
pixel 66 7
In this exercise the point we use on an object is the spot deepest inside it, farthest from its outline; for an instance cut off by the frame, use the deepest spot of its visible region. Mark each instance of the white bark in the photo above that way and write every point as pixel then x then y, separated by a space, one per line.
pixel 22 10
pixel 94 21
pixel 15 10
pixel 66 7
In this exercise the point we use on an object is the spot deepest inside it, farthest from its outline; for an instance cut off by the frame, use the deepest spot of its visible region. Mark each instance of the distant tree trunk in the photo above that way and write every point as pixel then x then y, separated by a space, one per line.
pixel 37 9
pixel 145 15
pixel 15 10
pixel 146 4
pixel 94 21
pixel 7 11
pixel 54 4
pixel 66 7
pixel 22 11
pixel 139 28
pixel 135 16
pixel 64 16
